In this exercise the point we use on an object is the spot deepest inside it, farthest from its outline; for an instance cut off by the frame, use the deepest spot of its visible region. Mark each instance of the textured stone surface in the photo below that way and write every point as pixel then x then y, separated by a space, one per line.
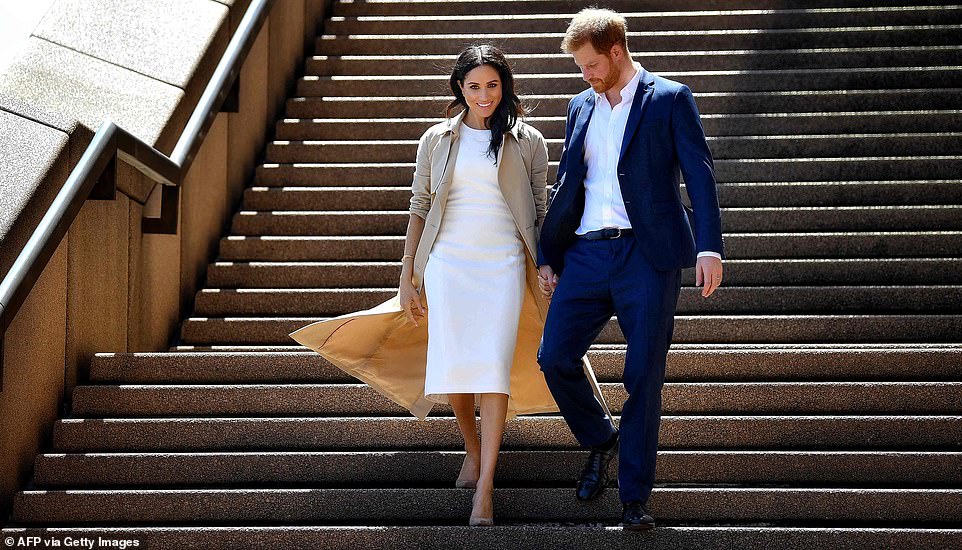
pixel 649 21
pixel 57 79
pixel 166 48
pixel 737 273
pixel 651 40
pixel 30 154
pixel 542 432
pixel 725 147
pixel 515 468
pixel 703 81
pixel 685 363
pixel 776 170
pixel 806 101
pixel 392 506
pixel 736 220
pixel 362 400
pixel 730 300
pixel 841 193
pixel 738 246
pixel 247 128
pixel 552 127
pixel 838 329
pixel 724 60
pixel 528 537
pixel 365 248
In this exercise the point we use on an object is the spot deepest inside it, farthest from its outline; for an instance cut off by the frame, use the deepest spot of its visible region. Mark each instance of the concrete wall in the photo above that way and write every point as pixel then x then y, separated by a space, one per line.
pixel 109 287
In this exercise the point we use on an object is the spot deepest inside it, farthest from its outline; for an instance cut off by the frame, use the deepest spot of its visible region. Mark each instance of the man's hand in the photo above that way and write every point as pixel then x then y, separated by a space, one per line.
pixel 547 280
pixel 708 274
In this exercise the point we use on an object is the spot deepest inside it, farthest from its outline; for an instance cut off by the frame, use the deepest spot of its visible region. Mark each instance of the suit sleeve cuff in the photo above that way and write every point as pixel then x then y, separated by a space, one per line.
pixel 707 253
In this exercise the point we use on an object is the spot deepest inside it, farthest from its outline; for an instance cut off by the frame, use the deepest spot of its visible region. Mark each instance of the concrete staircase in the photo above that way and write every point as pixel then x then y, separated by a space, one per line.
pixel 814 402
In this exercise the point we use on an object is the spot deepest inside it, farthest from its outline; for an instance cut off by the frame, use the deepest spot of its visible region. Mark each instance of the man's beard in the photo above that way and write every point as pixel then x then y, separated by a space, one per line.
pixel 608 82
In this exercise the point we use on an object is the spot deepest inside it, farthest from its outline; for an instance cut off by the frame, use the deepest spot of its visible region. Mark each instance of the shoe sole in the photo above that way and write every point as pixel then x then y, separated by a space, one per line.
pixel 639 527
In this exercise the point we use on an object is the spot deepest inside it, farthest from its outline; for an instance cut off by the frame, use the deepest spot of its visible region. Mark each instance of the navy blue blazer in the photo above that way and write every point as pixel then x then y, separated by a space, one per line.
pixel 663 139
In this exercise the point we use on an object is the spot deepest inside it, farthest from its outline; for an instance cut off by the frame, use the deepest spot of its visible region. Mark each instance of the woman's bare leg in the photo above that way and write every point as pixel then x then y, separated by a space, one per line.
pixel 494 408
pixel 463 405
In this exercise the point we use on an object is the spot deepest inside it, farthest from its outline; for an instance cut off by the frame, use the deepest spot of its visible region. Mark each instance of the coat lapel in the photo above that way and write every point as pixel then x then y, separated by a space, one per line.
pixel 580 130
pixel 444 157
pixel 646 86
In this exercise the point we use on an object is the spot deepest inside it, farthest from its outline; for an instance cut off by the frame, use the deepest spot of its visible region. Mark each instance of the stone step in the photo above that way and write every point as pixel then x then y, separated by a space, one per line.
pixel 769 272
pixel 774 219
pixel 566 82
pixel 479 7
pixel 726 171
pixel 742 148
pixel 839 506
pixel 708 103
pixel 738 246
pixel 215 302
pixel 730 195
pixel 657 62
pixel 738 432
pixel 838 329
pixel 649 20
pixel 515 468
pixel 747 398
pixel 872 122
pixel 724 39
pixel 890 362
pixel 523 536
pixel 295 249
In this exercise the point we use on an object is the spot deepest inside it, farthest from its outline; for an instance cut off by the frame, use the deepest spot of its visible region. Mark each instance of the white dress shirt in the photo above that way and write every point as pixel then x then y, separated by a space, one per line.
pixel 604 205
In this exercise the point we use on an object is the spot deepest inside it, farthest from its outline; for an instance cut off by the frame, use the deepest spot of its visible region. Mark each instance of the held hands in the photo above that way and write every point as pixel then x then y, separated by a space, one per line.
pixel 708 274
pixel 411 302
pixel 547 280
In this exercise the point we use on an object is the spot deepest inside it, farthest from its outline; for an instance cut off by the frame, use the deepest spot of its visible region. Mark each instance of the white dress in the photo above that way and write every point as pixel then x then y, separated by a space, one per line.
pixel 473 280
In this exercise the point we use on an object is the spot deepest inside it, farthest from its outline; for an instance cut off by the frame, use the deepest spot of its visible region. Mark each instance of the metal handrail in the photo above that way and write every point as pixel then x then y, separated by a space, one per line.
pixel 113 142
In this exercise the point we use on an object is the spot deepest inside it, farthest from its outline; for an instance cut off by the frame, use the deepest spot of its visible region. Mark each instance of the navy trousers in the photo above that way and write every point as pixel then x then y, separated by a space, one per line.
pixel 602 278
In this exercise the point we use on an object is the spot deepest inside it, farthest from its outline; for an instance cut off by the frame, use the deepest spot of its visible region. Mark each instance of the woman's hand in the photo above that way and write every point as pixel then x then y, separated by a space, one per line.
pixel 411 301
pixel 547 280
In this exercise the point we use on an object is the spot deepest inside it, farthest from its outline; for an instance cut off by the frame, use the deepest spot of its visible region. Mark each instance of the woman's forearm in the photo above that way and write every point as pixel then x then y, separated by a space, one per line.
pixel 411 240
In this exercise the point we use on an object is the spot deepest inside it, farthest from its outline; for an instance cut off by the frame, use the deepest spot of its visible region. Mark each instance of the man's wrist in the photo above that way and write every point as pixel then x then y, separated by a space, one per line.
pixel 709 254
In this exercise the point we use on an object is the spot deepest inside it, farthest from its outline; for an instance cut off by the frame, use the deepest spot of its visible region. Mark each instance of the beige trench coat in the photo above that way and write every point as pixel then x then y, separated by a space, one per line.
pixel 380 347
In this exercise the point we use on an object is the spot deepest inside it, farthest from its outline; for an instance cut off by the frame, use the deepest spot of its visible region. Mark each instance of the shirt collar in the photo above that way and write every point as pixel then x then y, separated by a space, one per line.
pixel 628 92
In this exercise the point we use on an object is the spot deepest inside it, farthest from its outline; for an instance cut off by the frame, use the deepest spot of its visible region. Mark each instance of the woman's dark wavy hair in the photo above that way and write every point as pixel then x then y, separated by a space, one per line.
pixel 508 110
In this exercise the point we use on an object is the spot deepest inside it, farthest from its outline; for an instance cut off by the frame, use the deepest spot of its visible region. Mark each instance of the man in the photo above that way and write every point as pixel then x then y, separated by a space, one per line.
pixel 614 241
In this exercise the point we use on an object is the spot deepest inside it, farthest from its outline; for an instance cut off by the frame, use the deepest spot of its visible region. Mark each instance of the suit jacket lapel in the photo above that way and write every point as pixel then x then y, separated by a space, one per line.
pixel 646 86
pixel 580 131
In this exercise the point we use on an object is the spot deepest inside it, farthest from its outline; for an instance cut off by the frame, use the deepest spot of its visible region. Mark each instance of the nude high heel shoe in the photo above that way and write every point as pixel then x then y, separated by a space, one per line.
pixel 478 521
pixel 465 482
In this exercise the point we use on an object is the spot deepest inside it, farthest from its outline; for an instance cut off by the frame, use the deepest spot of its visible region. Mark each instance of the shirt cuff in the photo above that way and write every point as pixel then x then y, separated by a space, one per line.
pixel 712 254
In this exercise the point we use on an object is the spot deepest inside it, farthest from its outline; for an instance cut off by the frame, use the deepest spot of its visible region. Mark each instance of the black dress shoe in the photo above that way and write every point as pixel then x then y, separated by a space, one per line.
pixel 634 517
pixel 595 475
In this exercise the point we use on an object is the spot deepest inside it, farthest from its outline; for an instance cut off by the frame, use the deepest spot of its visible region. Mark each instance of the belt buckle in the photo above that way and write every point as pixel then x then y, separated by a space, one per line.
pixel 617 235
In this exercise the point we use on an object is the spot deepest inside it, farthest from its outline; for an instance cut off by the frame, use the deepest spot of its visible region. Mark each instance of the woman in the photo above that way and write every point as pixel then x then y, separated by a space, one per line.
pixel 468 270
